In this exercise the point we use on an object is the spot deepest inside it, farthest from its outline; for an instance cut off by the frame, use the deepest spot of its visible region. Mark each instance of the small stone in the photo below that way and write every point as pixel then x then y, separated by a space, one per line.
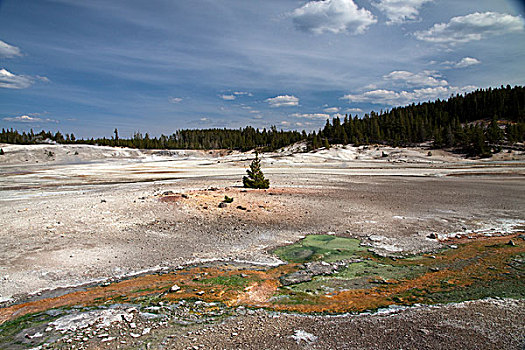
pixel 201 292
pixel 185 196
pixel 434 269
pixel 432 236
pixel 240 207
pixel 222 205
pixel 174 288
pixel 102 201
pixel 511 243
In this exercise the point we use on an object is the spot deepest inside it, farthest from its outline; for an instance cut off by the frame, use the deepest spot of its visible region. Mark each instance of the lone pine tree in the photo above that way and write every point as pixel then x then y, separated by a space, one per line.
pixel 255 178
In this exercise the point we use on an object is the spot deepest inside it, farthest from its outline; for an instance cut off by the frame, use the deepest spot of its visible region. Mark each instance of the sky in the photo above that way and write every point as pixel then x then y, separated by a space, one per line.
pixel 88 67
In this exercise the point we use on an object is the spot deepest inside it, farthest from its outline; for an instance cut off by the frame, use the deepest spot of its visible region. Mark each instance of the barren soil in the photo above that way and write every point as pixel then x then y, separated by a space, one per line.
pixel 85 214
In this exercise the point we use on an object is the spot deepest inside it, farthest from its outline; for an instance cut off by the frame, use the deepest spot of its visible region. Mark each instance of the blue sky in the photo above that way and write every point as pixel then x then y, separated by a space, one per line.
pixel 88 67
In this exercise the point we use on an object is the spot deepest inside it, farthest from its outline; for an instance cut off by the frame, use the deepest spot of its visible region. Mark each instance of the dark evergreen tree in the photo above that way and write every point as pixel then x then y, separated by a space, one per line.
pixel 255 178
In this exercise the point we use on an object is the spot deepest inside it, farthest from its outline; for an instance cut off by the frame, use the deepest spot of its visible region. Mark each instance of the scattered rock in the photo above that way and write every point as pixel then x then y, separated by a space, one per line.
pixel 511 243
pixel 434 269
pixel 432 236
pixel 201 292
pixel 296 277
pixel 185 196
pixel 240 207
pixel 424 331
pixel 174 288
pixel 222 205
pixel 301 335
pixel 319 268
pixel 102 201
pixel 168 193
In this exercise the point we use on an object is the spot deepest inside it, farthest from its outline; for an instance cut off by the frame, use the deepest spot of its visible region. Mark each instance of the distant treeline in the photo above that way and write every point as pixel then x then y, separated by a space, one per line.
pixel 476 123
pixel 239 139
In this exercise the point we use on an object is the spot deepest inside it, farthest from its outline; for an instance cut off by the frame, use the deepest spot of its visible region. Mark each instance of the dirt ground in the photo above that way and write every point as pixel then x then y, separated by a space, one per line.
pixel 87 214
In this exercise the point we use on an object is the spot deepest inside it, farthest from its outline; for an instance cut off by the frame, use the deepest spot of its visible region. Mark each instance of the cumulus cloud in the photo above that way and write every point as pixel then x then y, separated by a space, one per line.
pixel 311 115
pixel 29 119
pixel 399 11
pixel 228 97
pixel 472 27
pixel 335 16
pixel 463 63
pixel 394 98
pixel 176 99
pixel 8 51
pixel 283 101
pixel 353 110
pixel 9 80
pixel 332 109
pixel 425 78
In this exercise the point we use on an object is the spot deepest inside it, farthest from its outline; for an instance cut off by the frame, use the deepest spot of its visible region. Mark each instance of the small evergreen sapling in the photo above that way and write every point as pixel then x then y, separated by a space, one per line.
pixel 255 178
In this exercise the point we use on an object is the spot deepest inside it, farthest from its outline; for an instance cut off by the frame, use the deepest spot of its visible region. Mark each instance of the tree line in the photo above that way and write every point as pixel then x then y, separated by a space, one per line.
pixel 235 139
pixel 476 123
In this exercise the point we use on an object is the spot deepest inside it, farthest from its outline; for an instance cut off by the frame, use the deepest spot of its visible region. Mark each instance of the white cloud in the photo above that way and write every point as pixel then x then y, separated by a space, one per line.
pixel 9 80
pixel 335 16
pixel 285 123
pixel 29 119
pixel 176 99
pixel 425 78
pixel 472 27
pixel 332 109
pixel 241 93
pixel 399 11
pixel 311 115
pixel 394 98
pixel 8 51
pixel 463 63
pixel 43 79
pixel 283 101
pixel 228 97
pixel 353 110
pixel 203 119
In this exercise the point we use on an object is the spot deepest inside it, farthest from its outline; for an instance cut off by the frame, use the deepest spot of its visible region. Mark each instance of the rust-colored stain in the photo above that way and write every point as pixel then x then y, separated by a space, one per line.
pixel 484 258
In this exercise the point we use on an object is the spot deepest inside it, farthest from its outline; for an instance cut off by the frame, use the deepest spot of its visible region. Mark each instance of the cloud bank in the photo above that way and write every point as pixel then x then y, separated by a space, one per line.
pixel 8 51
pixel 333 16
pixel 401 98
pixel 472 27
pixel 9 80
pixel 29 119
pixel 283 101
pixel 399 11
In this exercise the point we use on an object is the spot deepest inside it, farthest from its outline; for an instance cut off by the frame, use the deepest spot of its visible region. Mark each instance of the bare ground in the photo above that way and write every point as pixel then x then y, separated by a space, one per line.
pixel 68 222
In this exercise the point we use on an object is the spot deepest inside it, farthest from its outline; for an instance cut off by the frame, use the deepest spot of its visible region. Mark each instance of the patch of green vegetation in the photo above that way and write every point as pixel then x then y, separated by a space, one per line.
pixel 321 247
pixel 228 280
pixel 294 298
pixel 360 275
pixel 10 329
